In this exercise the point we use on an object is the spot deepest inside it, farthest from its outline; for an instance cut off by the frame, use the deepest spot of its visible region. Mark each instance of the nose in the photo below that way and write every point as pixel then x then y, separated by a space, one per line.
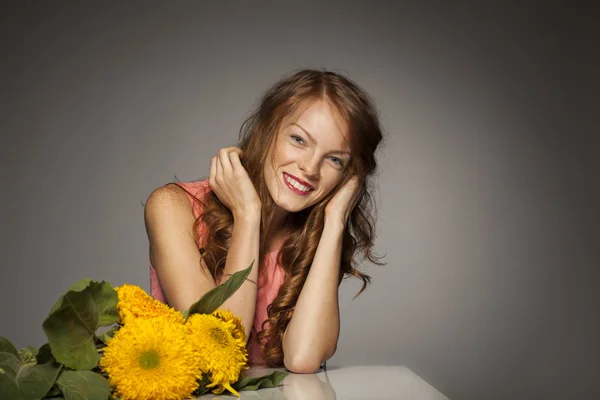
pixel 309 165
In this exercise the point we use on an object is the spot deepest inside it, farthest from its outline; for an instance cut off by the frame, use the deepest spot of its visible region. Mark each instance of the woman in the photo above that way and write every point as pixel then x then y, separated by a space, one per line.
pixel 294 195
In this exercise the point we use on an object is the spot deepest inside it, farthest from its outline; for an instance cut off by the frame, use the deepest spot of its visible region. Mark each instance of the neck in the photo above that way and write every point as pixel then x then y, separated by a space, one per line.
pixel 275 231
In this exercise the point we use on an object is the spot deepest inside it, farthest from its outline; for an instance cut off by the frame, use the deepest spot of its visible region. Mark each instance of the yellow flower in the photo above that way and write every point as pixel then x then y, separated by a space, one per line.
pixel 134 302
pixel 152 359
pixel 238 332
pixel 224 356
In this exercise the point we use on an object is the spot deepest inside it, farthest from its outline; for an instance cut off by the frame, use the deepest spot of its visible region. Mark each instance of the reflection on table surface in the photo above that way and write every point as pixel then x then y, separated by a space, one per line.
pixel 344 383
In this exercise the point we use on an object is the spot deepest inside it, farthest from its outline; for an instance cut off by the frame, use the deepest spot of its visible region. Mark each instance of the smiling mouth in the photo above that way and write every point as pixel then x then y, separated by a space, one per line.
pixel 296 186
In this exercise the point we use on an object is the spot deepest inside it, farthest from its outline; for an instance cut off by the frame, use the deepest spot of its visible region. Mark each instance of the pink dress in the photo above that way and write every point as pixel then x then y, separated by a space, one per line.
pixel 267 286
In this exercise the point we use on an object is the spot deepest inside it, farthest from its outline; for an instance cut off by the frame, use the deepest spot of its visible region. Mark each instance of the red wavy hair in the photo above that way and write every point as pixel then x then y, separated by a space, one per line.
pixel 288 97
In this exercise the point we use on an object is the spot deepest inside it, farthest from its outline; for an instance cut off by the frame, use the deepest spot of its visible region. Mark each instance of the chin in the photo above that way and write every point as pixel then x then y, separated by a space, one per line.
pixel 292 205
pixel 290 208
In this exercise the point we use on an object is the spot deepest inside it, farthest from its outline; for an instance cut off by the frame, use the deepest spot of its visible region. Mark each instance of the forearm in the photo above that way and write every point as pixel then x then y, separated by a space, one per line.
pixel 242 251
pixel 312 334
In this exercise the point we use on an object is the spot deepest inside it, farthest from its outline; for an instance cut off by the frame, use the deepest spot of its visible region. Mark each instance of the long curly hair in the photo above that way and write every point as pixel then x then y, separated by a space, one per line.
pixel 285 98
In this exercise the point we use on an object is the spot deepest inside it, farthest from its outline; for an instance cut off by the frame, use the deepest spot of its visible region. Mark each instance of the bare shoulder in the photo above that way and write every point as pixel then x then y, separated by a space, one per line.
pixel 169 194
pixel 167 203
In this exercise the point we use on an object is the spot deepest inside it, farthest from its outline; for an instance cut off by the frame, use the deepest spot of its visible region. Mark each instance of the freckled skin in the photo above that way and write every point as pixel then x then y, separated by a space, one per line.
pixel 317 163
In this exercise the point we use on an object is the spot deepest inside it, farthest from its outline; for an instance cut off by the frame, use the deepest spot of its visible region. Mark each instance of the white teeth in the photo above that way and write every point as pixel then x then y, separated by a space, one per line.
pixel 297 184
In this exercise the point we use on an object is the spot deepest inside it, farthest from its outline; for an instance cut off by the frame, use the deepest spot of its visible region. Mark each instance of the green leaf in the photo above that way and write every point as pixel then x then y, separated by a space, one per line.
pixel 74 319
pixel 108 334
pixel 8 386
pixel 83 385
pixel 205 381
pixel 54 392
pixel 214 298
pixel 7 347
pixel 44 355
pixel 80 286
pixel 25 382
pixel 272 380
pixel 76 287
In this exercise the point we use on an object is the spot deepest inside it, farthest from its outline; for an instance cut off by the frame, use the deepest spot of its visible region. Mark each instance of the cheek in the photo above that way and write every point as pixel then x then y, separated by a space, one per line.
pixel 273 158
pixel 331 180
pixel 285 155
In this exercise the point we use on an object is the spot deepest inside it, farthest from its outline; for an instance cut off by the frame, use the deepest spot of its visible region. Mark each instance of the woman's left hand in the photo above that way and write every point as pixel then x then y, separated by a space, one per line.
pixel 343 202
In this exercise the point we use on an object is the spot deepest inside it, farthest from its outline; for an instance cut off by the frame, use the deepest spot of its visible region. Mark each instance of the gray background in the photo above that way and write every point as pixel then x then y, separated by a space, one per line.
pixel 489 188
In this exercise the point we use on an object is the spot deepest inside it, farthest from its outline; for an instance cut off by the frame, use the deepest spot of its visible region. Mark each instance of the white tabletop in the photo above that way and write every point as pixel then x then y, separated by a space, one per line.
pixel 345 383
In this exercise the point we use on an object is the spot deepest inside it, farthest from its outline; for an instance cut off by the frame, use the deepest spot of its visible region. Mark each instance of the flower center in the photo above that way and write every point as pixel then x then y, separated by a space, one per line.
pixel 219 336
pixel 149 359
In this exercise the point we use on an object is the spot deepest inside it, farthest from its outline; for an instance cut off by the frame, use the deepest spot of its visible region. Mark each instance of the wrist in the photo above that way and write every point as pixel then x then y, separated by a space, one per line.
pixel 334 223
pixel 247 217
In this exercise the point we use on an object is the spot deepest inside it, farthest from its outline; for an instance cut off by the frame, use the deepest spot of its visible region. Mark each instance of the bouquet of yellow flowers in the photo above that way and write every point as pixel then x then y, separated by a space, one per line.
pixel 150 351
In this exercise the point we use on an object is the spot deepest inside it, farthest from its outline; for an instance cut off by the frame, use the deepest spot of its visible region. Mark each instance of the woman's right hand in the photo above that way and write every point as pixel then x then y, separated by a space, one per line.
pixel 232 185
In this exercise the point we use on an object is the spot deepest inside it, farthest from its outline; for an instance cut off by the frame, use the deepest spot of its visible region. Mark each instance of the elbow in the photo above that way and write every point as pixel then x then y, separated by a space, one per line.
pixel 305 364
pixel 301 366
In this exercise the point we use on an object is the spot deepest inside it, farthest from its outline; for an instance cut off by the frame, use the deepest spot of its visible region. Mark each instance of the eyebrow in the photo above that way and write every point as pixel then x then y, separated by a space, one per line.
pixel 311 137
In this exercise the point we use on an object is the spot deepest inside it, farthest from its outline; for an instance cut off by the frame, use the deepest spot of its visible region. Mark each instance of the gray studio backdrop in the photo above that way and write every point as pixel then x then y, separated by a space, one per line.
pixel 488 199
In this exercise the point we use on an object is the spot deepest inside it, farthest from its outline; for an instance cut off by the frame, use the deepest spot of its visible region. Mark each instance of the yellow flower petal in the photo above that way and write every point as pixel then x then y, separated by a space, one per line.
pixel 224 355
pixel 238 332
pixel 152 359
pixel 134 302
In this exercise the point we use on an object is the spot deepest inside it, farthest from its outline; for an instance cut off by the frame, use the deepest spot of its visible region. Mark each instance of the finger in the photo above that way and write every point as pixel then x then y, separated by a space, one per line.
pixel 236 150
pixel 219 169
pixel 358 193
pixel 213 172
pixel 236 164
pixel 354 183
pixel 224 159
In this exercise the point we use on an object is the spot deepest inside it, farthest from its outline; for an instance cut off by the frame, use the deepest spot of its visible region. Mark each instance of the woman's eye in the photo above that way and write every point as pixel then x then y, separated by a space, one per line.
pixel 297 139
pixel 337 161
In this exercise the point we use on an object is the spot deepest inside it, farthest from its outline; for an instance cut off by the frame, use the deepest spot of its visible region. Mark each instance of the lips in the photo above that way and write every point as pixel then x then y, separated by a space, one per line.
pixel 300 181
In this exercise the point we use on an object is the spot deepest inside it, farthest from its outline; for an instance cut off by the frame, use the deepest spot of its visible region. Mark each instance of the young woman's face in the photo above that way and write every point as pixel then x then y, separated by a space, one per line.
pixel 310 154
